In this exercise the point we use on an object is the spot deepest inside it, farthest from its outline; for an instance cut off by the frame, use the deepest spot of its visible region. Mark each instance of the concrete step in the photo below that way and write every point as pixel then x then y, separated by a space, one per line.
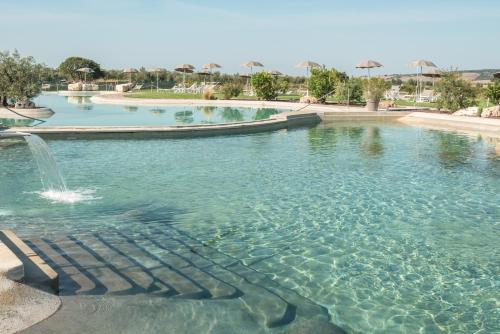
pixel 11 266
pixel 36 271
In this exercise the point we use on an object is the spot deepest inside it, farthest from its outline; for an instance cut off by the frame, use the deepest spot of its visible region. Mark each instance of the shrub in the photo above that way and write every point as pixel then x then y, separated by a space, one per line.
pixel 355 87
pixel 69 67
pixel 454 92
pixel 492 92
pixel 265 85
pixel 230 90
pixel 374 88
pixel 323 82
pixel 208 94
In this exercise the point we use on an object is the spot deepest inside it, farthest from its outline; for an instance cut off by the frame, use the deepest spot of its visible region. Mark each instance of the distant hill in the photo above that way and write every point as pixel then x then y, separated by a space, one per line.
pixel 470 75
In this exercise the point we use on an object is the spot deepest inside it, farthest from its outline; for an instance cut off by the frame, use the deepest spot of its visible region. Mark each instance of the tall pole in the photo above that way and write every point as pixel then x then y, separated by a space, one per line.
pixel 157 88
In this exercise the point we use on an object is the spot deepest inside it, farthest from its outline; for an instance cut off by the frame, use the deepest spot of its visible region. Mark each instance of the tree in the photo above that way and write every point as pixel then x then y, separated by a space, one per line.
pixel 374 88
pixel 354 87
pixel 230 90
pixel 69 67
pixel 20 77
pixel 492 92
pixel 265 85
pixel 454 92
pixel 323 82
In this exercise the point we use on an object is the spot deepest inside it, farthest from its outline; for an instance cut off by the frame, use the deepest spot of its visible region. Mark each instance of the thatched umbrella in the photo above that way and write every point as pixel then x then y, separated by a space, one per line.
pixel 369 64
pixel 210 67
pixel 184 68
pixel 157 71
pixel 130 71
pixel 276 73
pixel 420 63
pixel 251 64
pixel 204 74
pixel 433 73
pixel 308 65
pixel 85 70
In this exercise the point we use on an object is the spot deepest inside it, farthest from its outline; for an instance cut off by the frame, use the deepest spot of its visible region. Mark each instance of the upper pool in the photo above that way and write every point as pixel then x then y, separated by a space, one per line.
pixel 80 111
pixel 391 228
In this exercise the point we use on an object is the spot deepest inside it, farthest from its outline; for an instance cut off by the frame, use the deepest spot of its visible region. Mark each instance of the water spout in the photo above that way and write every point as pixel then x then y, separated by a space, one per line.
pixel 51 177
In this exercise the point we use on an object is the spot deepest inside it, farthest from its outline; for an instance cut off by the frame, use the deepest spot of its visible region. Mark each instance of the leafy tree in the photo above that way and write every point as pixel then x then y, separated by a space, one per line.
pixel 265 85
pixel 282 85
pixel 455 93
pixel 20 77
pixel 69 67
pixel 354 87
pixel 324 81
pixel 409 86
pixel 492 92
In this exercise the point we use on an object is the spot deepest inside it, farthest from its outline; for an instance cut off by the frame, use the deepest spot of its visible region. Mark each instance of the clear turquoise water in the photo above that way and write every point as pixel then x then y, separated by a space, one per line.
pixel 78 110
pixel 394 229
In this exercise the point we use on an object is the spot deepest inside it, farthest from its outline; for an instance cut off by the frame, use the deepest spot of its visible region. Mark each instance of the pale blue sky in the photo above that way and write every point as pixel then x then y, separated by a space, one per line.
pixel 278 33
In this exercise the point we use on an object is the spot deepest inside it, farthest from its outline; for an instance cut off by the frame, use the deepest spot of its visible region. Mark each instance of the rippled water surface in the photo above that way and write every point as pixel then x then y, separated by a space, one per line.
pixel 393 229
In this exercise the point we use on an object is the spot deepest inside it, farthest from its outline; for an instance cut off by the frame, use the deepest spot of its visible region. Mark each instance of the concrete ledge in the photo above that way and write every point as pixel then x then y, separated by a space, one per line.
pixel 11 266
pixel 36 271
pixel 486 126
pixel 335 116
pixel 277 122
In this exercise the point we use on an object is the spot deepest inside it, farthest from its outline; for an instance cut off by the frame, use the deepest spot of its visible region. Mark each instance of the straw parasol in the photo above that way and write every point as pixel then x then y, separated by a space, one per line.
pixel 85 70
pixel 251 64
pixel 276 73
pixel 369 64
pixel 157 71
pixel 420 63
pixel 308 65
pixel 130 71
pixel 204 74
pixel 210 67
pixel 433 73
pixel 184 68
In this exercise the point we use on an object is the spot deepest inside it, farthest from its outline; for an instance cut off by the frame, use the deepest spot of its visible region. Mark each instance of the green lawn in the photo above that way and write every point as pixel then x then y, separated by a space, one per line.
pixel 404 103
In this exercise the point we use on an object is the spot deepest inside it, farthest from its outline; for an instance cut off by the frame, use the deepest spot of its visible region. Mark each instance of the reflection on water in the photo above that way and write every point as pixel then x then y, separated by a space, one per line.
pixel 264 113
pixel 130 108
pixel 16 122
pixel 231 114
pixel 78 99
pixel 453 149
pixel 157 111
pixel 185 116
pixel 372 142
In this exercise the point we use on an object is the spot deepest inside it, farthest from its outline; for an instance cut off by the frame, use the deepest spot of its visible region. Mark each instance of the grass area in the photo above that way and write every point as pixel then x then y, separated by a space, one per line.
pixel 404 103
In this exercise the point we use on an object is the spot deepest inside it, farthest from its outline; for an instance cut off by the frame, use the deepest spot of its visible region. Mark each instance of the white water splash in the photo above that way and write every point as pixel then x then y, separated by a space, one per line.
pixel 70 197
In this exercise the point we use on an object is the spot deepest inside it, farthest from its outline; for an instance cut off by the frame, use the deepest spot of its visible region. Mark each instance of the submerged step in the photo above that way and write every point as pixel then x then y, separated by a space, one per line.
pixel 36 271
pixel 11 266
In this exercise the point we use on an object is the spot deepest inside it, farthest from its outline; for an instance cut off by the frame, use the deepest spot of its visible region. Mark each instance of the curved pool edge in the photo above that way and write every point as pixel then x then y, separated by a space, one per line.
pixel 275 122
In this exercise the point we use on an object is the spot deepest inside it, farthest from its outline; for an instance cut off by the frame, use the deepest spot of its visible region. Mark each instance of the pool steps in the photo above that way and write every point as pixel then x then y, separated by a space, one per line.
pixel 25 264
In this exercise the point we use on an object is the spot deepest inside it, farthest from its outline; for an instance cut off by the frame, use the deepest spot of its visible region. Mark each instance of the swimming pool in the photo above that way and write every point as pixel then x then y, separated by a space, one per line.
pixel 390 228
pixel 80 111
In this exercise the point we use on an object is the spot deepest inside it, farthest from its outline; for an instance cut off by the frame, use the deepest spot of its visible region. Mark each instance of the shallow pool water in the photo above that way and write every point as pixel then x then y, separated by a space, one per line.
pixel 80 111
pixel 393 229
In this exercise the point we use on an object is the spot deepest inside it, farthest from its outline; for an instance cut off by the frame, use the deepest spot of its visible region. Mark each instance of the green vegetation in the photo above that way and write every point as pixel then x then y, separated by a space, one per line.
pixel 69 67
pixel 20 77
pixel 351 90
pixel 492 92
pixel 374 88
pixel 323 82
pixel 265 85
pixel 455 93
pixel 231 89
pixel 405 103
